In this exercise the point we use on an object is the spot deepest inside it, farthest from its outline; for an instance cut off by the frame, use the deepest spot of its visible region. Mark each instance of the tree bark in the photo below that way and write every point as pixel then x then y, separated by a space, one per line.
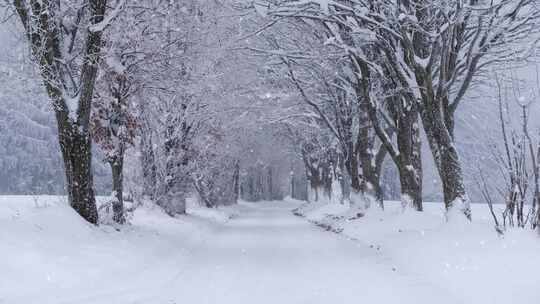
pixel 270 188
pixel 236 181
pixel 410 160
pixel 407 156
pixel 538 220
pixel 446 157
pixel 368 160
pixel 379 162
pixel 117 166
pixel 77 155
pixel 315 183
pixel 350 152
pixel 352 168
pixel 320 179
pixel 148 160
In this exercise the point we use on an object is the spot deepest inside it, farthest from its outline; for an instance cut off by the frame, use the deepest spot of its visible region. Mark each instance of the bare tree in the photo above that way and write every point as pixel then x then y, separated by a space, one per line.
pixel 66 41
pixel 517 161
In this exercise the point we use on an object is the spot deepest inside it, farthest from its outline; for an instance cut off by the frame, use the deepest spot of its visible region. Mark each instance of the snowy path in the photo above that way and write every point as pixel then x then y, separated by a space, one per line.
pixel 263 255
pixel 267 255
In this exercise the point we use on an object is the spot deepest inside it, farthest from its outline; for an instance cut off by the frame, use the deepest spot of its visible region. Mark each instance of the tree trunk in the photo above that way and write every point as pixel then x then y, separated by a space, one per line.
pixel 407 156
pixel 371 181
pixel 236 181
pixel 410 160
pixel 351 162
pixel 379 191
pixel 446 157
pixel 117 166
pixel 77 155
pixel 148 164
pixel 270 188
pixel 355 189
pixel 315 185
pixel 327 179
pixel 365 142
pixel 354 175
pixel 345 181
pixel 538 219
pixel 411 188
pixel 292 179
pixel 313 176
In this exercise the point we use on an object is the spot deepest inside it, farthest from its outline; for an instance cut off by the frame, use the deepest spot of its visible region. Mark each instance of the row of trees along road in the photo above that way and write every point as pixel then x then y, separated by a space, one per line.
pixel 346 83
pixel 380 68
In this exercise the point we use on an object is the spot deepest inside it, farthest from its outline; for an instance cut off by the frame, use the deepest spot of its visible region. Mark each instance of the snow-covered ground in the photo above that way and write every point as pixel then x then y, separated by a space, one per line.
pixel 48 254
pixel 259 253
pixel 468 260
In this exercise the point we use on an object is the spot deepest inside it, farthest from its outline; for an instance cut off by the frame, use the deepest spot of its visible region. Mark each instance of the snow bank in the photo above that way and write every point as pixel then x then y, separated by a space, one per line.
pixel 469 259
pixel 49 254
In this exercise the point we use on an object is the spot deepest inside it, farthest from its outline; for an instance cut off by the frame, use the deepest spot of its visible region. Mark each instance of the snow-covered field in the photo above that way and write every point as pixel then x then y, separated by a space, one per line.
pixel 260 253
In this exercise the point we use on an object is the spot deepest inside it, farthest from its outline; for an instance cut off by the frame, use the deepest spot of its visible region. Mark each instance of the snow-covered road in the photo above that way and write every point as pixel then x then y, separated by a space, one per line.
pixel 264 254
pixel 267 255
